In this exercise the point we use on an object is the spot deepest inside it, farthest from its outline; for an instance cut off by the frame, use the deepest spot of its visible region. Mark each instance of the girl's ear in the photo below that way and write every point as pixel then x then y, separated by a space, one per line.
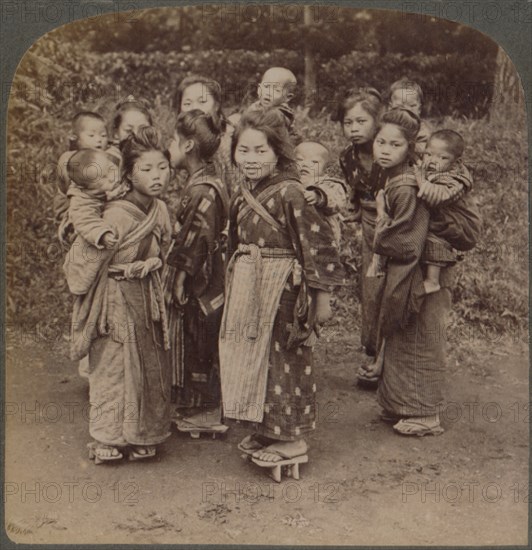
pixel 189 145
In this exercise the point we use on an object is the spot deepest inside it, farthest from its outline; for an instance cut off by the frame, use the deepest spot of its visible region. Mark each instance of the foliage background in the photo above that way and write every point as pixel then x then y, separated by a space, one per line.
pixel 93 63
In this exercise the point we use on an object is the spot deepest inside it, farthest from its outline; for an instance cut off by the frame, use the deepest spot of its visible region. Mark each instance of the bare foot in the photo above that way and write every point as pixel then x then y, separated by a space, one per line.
pixel 282 450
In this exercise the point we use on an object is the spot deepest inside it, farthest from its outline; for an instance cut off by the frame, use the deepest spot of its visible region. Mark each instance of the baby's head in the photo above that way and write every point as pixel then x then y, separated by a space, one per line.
pixel 407 94
pixel 444 149
pixel 278 85
pixel 312 158
pixel 89 131
pixel 94 171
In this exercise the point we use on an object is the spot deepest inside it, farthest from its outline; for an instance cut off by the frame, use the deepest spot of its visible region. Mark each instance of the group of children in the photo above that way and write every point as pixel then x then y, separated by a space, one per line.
pixel 223 308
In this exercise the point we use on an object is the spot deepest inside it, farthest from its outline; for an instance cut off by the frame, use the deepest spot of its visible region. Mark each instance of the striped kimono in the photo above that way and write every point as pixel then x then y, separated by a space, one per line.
pixel 202 215
pixel 283 251
pixel 119 319
pixel 412 323
pixel 363 186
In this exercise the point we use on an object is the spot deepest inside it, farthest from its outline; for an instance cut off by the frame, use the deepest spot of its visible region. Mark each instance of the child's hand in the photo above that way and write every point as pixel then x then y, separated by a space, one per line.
pixel 433 194
pixel 109 240
pixel 179 288
pixel 380 202
pixel 151 264
pixel 323 307
pixel 311 196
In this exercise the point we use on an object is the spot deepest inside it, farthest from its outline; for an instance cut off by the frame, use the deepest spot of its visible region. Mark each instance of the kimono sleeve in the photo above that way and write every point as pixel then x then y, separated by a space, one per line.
pixel 402 233
pixel 313 241
pixel 197 237
pixel 86 215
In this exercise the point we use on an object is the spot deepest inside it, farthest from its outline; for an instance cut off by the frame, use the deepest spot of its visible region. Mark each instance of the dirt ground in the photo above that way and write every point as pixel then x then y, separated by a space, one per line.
pixel 364 485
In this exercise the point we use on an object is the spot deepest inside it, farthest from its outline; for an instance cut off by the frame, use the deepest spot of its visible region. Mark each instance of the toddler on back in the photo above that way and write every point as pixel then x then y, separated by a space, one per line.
pixel 94 177
pixel 326 193
pixel 444 185
pixel 275 90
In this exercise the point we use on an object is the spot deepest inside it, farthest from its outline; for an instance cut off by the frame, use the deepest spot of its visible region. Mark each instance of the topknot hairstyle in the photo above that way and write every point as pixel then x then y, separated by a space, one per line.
pixel 202 129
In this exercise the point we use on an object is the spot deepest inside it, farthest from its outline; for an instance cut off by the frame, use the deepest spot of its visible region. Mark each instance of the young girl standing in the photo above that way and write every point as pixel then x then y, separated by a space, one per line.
pixel 196 257
pixel 358 115
pixel 205 94
pixel 413 357
pixel 284 263
pixel 119 316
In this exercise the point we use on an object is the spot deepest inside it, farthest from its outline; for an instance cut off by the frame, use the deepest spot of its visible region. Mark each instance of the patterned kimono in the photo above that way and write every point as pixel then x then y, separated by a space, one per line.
pixel 412 323
pixel 119 319
pixel 283 251
pixel 202 214
pixel 331 201
pixel 363 186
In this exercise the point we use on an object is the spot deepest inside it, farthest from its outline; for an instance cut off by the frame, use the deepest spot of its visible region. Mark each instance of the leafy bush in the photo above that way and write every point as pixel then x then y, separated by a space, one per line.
pixel 53 83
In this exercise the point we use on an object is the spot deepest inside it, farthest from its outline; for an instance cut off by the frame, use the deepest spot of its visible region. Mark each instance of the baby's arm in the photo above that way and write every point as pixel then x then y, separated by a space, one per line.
pixel 329 195
pixel 335 196
pixel 439 189
pixel 86 215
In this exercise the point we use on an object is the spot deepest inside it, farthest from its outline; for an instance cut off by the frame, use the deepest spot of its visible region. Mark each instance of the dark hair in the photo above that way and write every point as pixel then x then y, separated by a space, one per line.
pixel 271 123
pixel 453 139
pixel 407 121
pixel 202 129
pixel 77 119
pixel 214 89
pixel 79 163
pixel 146 139
pixel 406 84
pixel 130 104
pixel 369 98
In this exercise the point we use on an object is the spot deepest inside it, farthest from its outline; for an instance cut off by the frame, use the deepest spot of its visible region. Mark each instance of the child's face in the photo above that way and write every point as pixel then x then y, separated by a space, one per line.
pixel 406 98
pixel 254 155
pixel 131 121
pixel 106 175
pixel 274 88
pixel 151 174
pixel 177 150
pixel 358 125
pixel 92 134
pixel 197 96
pixel 311 159
pixel 437 157
pixel 390 147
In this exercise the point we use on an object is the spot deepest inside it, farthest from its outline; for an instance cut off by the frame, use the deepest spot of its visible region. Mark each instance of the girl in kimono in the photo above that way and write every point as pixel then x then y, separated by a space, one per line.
pixel 284 263
pixel 358 115
pixel 198 272
pixel 205 94
pixel 119 316
pixel 412 356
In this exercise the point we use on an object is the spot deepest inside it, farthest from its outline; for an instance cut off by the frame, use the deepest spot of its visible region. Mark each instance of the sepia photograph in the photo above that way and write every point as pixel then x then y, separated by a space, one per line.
pixel 266 276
